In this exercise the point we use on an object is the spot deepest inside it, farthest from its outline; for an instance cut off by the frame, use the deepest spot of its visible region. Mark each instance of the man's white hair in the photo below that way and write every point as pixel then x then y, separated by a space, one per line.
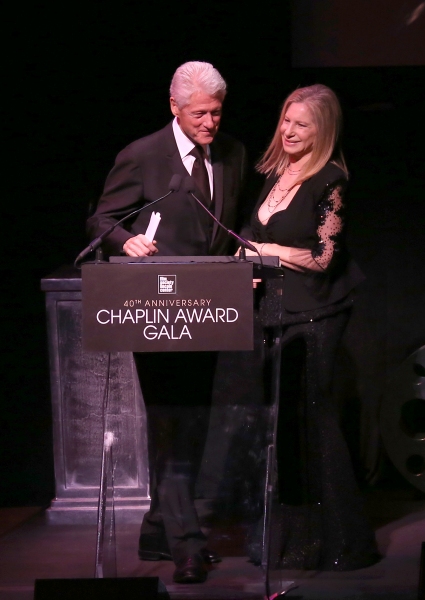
pixel 194 77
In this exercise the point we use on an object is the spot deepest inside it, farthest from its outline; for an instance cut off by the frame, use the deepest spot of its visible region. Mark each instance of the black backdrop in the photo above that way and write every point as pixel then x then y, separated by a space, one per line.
pixel 84 80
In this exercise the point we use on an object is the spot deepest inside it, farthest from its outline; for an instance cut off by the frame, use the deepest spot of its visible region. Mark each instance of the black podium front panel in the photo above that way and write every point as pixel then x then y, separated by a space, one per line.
pixel 154 307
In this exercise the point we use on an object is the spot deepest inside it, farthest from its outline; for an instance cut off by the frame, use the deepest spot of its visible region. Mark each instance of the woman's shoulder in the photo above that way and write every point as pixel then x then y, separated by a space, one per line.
pixel 330 173
pixel 324 181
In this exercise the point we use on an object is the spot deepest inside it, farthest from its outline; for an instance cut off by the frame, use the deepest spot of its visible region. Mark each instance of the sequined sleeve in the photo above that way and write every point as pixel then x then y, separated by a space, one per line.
pixel 330 225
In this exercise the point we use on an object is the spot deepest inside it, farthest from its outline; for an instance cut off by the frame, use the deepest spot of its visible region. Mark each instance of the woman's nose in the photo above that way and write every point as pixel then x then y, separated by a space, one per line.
pixel 288 130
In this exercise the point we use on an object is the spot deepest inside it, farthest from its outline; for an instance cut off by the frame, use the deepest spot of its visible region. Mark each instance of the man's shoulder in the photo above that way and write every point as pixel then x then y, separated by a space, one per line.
pixel 156 141
pixel 228 145
pixel 225 139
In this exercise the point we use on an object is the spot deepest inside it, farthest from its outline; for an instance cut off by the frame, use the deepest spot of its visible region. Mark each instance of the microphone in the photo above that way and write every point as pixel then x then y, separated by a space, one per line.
pixel 189 187
pixel 173 186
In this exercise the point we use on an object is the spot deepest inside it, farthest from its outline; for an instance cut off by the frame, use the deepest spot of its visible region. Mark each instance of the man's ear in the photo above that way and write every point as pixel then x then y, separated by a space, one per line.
pixel 174 108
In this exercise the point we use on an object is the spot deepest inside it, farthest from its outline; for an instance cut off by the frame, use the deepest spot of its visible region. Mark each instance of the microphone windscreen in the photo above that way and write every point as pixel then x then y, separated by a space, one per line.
pixel 175 183
pixel 189 185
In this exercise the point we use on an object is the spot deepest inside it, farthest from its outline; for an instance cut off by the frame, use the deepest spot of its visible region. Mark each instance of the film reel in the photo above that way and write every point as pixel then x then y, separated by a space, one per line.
pixel 402 419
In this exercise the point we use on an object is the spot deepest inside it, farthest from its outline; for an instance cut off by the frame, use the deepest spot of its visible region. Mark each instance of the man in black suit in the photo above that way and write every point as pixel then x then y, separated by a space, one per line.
pixel 176 386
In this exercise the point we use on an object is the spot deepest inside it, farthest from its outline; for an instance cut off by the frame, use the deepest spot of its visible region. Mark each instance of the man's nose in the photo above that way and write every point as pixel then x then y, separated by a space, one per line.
pixel 208 120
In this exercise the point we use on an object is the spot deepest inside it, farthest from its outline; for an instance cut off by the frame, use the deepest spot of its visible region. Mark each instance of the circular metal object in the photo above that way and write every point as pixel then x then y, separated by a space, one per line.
pixel 402 419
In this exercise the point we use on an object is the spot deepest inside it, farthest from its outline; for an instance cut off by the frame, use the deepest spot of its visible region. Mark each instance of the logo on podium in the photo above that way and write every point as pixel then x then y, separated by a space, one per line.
pixel 167 284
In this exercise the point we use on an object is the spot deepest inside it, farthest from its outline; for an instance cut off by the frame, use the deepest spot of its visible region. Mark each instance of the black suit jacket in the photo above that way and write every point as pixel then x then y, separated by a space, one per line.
pixel 142 173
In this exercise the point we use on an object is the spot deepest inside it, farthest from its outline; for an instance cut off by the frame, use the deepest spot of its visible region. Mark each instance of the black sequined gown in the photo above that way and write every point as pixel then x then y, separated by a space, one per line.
pixel 318 520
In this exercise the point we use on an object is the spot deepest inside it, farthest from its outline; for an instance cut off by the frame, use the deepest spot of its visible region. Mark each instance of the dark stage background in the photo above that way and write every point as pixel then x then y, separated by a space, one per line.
pixel 85 80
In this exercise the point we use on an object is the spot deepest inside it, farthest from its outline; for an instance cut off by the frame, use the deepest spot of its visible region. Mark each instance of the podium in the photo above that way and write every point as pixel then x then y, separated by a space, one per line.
pixel 77 378
pixel 239 408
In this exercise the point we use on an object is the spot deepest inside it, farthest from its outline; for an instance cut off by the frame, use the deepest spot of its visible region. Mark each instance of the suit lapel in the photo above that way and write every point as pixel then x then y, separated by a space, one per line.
pixel 172 152
pixel 219 173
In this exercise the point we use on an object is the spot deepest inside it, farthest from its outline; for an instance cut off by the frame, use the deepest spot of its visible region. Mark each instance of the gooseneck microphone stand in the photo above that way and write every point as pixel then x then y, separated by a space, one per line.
pixel 190 187
pixel 173 186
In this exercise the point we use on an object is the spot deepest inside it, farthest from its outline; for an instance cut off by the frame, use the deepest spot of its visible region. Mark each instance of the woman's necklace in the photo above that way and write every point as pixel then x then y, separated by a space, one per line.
pixel 272 201
pixel 291 172
pixel 282 189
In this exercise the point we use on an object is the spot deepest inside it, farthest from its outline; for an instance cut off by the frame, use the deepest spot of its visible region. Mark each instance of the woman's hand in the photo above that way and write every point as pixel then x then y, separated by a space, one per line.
pixel 139 245
pixel 249 252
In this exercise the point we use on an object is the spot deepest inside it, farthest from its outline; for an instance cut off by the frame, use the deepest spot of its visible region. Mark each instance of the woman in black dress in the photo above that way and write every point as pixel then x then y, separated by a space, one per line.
pixel 299 217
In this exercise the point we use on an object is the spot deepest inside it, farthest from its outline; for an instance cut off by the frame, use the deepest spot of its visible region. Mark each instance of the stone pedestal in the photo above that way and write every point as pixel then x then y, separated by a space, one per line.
pixel 78 384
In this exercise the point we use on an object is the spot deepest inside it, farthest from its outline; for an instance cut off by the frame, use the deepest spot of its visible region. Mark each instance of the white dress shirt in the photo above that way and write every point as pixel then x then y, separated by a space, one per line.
pixel 185 145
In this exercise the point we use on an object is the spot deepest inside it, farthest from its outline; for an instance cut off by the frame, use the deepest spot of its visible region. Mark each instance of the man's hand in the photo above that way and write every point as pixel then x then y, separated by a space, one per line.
pixel 139 245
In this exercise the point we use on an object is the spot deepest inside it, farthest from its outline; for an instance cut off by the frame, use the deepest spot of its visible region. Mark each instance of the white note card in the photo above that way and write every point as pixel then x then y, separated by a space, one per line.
pixel 153 226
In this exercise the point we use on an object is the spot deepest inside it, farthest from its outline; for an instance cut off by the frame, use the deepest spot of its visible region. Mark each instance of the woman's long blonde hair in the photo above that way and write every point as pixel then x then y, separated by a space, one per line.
pixel 327 117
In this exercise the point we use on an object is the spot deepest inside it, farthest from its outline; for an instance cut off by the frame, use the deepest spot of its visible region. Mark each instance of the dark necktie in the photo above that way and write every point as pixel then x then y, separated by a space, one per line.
pixel 200 174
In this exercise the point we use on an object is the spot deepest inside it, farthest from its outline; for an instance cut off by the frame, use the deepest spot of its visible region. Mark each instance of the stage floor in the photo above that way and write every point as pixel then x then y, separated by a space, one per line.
pixel 31 549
